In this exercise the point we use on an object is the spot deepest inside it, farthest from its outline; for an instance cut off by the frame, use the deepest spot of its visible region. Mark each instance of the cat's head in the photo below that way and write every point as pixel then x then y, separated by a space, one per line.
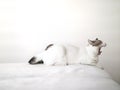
pixel 98 44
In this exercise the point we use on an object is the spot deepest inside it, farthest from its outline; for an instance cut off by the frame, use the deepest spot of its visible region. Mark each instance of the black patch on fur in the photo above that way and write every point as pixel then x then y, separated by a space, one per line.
pixel 49 46
pixel 33 61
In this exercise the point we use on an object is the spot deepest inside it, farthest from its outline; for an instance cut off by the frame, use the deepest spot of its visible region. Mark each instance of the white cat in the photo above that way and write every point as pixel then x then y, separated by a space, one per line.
pixel 59 54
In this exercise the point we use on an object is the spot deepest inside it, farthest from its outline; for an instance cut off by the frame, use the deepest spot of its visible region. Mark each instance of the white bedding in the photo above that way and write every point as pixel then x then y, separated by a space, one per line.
pixel 14 76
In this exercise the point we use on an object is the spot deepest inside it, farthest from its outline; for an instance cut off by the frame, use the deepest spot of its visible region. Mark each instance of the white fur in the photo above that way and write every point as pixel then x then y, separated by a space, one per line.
pixel 54 55
pixel 68 54
pixel 90 56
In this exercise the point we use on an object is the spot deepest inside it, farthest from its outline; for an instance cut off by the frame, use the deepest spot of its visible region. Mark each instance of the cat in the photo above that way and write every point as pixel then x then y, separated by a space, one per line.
pixel 59 54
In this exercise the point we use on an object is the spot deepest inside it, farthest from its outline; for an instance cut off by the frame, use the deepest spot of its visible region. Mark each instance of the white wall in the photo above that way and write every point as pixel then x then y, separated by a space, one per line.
pixel 27 26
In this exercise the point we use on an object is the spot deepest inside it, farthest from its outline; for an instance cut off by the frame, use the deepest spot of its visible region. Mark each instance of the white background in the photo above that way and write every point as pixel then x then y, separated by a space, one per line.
pixel 27 26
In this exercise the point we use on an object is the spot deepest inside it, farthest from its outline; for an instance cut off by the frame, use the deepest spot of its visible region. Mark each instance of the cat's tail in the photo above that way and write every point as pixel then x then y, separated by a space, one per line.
pixel 33 61
pixel 50 45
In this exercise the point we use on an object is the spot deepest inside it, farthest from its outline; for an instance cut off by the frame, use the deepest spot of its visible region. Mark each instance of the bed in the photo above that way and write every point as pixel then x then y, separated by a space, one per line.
pixel 22 76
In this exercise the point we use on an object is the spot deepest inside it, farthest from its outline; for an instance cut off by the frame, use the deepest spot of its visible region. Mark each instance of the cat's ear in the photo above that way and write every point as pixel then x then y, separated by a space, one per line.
pixel 90 42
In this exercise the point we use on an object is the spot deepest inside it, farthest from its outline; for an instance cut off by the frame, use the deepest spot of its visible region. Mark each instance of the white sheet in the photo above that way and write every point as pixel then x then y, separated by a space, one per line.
pixel 16 76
